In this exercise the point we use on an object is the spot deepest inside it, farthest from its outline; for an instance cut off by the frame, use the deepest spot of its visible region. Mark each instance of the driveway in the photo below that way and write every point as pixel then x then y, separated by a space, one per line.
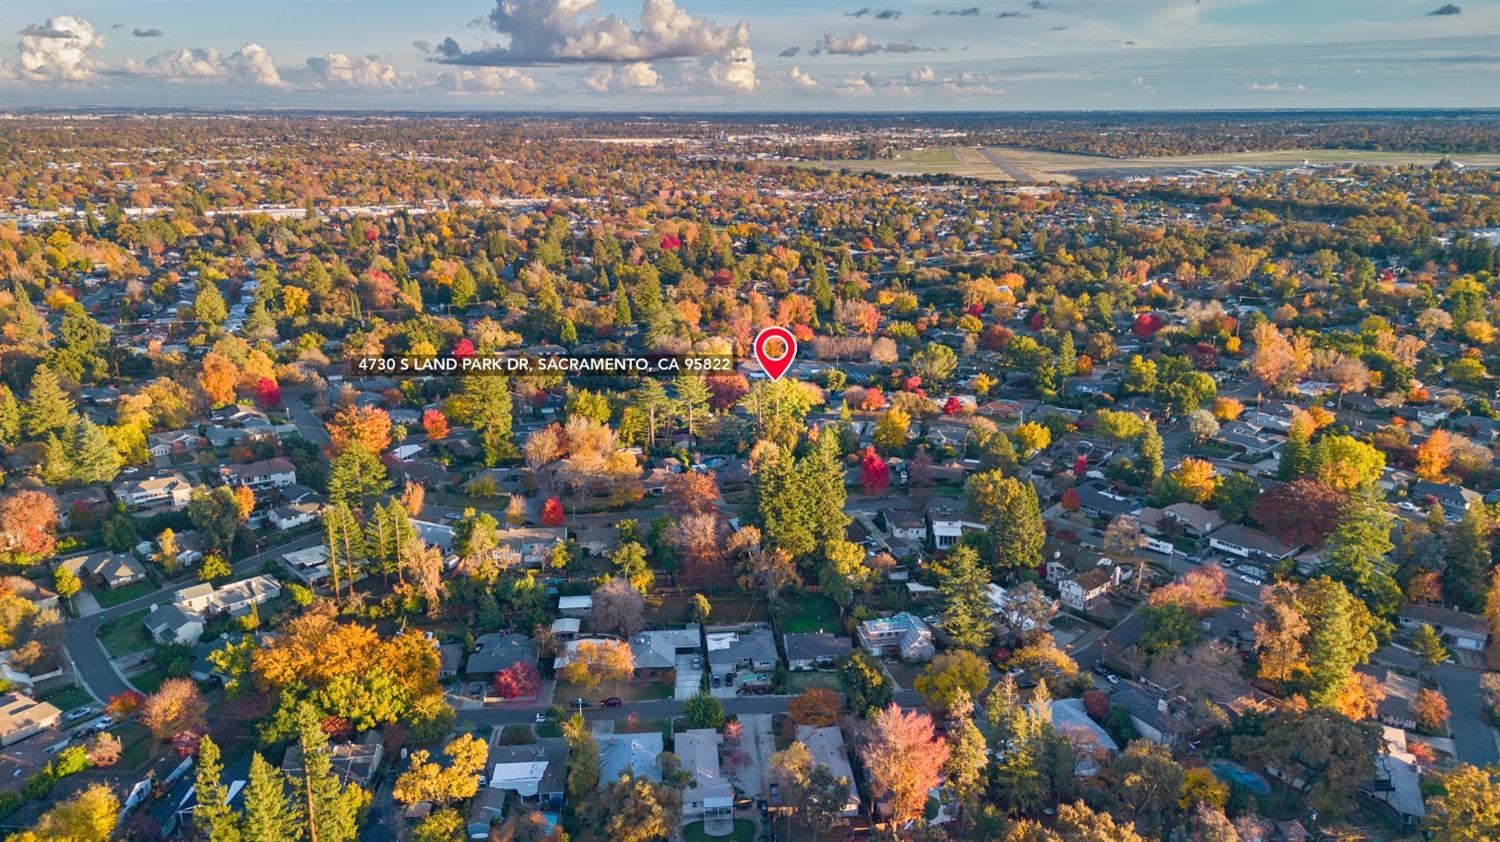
pixel 1472 736
pixel 758 743
pixel 689 677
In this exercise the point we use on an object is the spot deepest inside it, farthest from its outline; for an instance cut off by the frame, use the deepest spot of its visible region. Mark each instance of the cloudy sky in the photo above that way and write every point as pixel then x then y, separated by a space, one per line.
pixel 801 55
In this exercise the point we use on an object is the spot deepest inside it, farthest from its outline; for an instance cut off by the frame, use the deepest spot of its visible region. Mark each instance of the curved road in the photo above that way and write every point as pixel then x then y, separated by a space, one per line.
pixel 95 671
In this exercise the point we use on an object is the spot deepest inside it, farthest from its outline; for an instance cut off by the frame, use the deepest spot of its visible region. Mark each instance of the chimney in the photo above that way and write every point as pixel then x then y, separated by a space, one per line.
pixel 1161 705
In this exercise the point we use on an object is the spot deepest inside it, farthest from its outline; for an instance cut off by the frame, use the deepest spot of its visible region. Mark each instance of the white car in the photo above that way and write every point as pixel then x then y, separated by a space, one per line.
pixel 79 713
pixel 1251 580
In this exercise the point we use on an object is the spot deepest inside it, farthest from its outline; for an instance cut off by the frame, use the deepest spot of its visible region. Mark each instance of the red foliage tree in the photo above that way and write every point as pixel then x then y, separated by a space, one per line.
pixel 874 401
pixel 435 423
pixel 995 338
pixel 552 512
pixel 520 680
pixel 1095 703
pixel 1070 501
pixel 874 473
pixel 953 406
pixel 1147 324
pixel 912 384
pixel 726 389
pixel 1080 467
pixel 463 348
pixel 268 393
pixel 1037 321
pixel 125 704
pixel 28 524
pixel 1301 513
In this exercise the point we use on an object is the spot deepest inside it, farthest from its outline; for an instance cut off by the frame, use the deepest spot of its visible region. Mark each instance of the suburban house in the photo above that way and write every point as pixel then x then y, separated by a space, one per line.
pixel 1099 502
pixel 495 651
pixel 172 623
pixel 1398 708
pixel 308 566
pixel 1466 631
pixel 532 543
pixel 261 476
pixel 814 650
pixel 946 525
pixel 1234 625
pixel 1005 604
pixel 656 651
pixel 353 762
pixel 38 595
pixel 22 716
pixel 538 773
pixel 634 753
pixel 166 443
pixel 1395 782
pixel 170 491
pixel 1251 544
pixel 907 524
pixel 708 796
pixel 293 515
pixel 1149 713
pixel 1088 739
pixel 745 648
pixel 112 570
pixel 1455 499
pixel 1081 590
pixel 901 635
pixel 485 809
pixel 826 745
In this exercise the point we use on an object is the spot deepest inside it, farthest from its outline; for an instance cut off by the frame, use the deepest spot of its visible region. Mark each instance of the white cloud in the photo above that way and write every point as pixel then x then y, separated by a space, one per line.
pixel 252 65
pixel 640 76
pixel 58 50
pixel 857 44
pixel 923 74
pixel 1275 88
pixel 336 70
pixel 736 73
pixel 177 65
pixel 505 80
pixel 801 80
pixel 551 32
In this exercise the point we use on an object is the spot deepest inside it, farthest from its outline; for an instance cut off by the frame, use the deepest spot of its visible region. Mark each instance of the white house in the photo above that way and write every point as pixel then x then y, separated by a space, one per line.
pixel 170 491
pixel 261 476
pixel 308 566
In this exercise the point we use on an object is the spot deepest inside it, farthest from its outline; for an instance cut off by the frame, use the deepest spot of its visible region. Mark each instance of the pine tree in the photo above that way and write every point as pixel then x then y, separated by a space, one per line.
pixel 10 417
pixel 1469 557
pixel 330 808
pixel 48 408
pixel 95 460
pixel 1151 453
pixel 623 315
pixel 213 821
pixel 57 465
pixel 962 585
pixel 692 400
pixel 1356 551
pixel 270 814
pixel 1296 454
pixel 486 405
pixel 818 287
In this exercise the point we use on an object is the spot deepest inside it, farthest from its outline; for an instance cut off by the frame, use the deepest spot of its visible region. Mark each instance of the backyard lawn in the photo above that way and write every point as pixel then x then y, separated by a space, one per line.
pixel 809 613
pixel 149 681
pixel 798 682
pixel 110 597
pixel 744 831
pixel 124 635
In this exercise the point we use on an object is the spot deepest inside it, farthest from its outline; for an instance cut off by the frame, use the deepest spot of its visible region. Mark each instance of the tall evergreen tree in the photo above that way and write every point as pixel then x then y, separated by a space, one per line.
pixel 10 417
pixel 1151 453
pixel 962 585
pixel 1469 560
pixel 48 408
pixel 271 814
pixel 213 820
pixel 1357 550
pixel 486 405
pixel 208 306
pixel 95 460
pixel 818 287
pixel 330 809
pixel 1296 454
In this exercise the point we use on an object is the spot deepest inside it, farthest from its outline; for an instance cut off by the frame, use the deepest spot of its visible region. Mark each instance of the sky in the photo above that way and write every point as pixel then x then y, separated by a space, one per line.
pixel 753 55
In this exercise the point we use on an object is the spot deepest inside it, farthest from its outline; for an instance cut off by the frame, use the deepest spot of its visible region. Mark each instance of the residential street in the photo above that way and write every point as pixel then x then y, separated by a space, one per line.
pixel 1473 738
pixel 86 652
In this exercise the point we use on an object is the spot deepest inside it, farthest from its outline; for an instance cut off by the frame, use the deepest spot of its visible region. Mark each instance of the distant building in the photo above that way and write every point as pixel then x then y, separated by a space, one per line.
pixel 1252 544
pixel 169 491
pixel 261 476
pixel 22 716
pixel 308 566
pixel 635 753
pixel 110 569
pixel 826 745
pixel 731 650
pixel 814 651
pixel 1466 631
pixel 709 796
pixel 353 763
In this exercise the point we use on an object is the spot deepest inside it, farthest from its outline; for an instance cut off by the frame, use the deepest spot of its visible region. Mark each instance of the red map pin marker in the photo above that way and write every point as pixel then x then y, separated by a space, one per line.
pixel 775 367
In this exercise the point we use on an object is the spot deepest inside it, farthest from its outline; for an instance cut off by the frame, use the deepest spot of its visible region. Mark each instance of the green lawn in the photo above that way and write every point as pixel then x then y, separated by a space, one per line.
pixel 136 744
pixel 124 635
pixel 628 691
pixel 108 598
pixel 67 698
pixel 744 831
pixel 798 682
pixel 149 681
pixel 809 613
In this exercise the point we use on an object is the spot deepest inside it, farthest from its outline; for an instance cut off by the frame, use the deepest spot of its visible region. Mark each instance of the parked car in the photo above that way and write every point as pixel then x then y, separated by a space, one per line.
pixel 1250 580
pixel 612 702
pixel 100 725
pixel 580 703
pixel 78 713
pixel 1112 678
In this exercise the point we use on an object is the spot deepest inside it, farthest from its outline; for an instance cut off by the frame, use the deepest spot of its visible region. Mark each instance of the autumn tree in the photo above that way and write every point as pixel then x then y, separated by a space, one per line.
pixel 1434 455
pixel 520 680
pixel 1300 513
pixel 435 424
pixel 1314 636
pixel 816 706
pixel 28 526
pixel 598 661
pixel 175 708
pixel 88 816
pixel 1431 708
pixel 1330 753
pixel 1467 808
pixel 950 675
pixel 619 608
pixel 903 759
pixel 443 783
pixel 365 427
